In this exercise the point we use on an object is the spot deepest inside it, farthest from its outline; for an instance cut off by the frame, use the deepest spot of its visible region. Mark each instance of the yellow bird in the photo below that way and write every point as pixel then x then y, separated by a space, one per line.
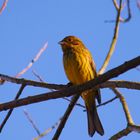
pixel 80 68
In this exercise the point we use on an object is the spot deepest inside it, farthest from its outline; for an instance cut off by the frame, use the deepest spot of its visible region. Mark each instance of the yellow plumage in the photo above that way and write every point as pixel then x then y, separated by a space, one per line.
pixel 80 68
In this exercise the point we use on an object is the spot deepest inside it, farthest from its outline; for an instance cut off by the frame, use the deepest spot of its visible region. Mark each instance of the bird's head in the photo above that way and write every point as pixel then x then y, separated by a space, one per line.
pixel 70 42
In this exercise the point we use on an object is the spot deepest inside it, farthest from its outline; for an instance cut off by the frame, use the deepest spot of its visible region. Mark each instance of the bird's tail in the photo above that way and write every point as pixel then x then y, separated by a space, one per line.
pixel 94 123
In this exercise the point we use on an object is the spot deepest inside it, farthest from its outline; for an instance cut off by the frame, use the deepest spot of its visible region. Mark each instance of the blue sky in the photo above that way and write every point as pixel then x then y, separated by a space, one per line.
pixel 24 28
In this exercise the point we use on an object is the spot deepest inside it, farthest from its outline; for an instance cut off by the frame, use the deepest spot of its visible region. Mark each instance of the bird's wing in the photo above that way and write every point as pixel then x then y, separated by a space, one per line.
pixel 93 66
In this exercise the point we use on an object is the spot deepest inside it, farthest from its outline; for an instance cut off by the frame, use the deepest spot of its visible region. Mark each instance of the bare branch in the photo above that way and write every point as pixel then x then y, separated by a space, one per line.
pixel 126 131
pixel 105 103
pixel 125 107
pixel 121 84
pixel 128 10
pixel 109 101
pixel 130 123
pixel 76 89
pixel 65 117
pixel 11 110
pixel 38 76
pixel 69 100
pixel 29 65
pixel 116 5
pixel 30 82
pixel 31 121
pixel 3 6
pixel 33 60
pixel 119 135
pixel 114 41
pixel 78 104
pixel 48 130
pixel 108 84
pixel 134 128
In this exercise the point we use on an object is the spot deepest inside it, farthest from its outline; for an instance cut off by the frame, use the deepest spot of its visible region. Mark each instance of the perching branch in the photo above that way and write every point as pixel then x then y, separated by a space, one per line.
pixel 77 89
pixel 107 84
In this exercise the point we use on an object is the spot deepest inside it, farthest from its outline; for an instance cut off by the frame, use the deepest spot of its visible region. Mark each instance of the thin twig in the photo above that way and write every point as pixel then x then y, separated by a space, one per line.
pixel 11 110
pixel 78 104
pixel 2 81
pixel 38 76
pixel 129 12
pixel 102 104
pixel 116 4
pixel 48 130
pixel 3 6
pixel 33 61
pixel 109 101
pixel 125 107
pixel 31 121
pixel 65 117
pixel 114 41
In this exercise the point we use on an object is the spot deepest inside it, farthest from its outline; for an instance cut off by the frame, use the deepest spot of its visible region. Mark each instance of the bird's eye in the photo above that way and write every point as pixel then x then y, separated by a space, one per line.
pixel 70 40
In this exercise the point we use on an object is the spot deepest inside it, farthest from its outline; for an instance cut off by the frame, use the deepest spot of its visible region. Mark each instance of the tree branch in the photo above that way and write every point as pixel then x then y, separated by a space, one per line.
pixel 65 117
pixel 77 89
pixel 3 6
pixel 130 124
pixel 121 133
pixel 31 82
pixel 11 110
pixel 33 60
pixel 107 84
pixel 32 122
pixel 114 41
pixel 121 84
pixel 125 107
pixel 48 130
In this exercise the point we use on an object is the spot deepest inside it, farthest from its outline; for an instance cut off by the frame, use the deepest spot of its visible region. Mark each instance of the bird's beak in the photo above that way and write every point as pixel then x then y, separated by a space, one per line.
pixel 61 42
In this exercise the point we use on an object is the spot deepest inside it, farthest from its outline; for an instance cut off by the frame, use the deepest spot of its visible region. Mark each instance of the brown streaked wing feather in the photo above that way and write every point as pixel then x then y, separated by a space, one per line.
pixel 93 66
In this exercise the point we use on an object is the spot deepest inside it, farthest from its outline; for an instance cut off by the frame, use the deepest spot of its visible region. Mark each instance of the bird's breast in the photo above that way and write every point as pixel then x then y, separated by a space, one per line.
pixel 77 67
